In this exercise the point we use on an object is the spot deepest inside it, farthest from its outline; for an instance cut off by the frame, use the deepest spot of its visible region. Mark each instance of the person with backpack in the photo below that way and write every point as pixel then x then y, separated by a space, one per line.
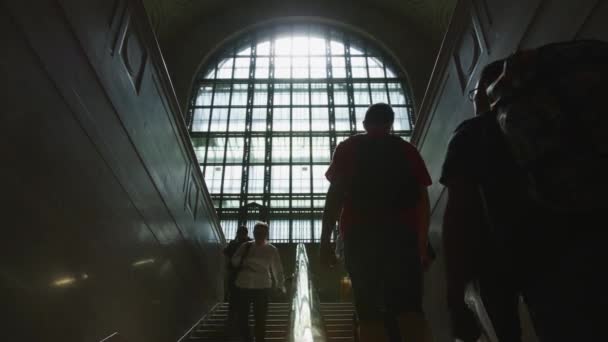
pixel 526 185
pixel 242 236
pixel 378 188
pixel 257 264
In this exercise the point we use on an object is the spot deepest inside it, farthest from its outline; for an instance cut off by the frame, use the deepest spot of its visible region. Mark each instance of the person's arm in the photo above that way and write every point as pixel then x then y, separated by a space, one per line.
pixel 236 258
pixel 333 205
pixel 277 269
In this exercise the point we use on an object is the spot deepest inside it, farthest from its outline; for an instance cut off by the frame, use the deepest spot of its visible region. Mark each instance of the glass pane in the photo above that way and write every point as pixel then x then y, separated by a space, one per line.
pixel 340 94
pixel 301 231
pixel 337 48
pixel 204 95
pixel 320 119
pixel 244 52
pixel 213 179
pixel 222 95
pixel 376 69
pixel 338 65
pixel 237 120
pixel 282 67
pixel 358 67
pixel 282 46
pixel 402 122
pixel 232 179
pixel 361 94
pixel 263 48
pixel 318 203
pixel 239 94
pixel 318 67
pixel 200 120
pixel 320 182
pixel 219 119
pixel 320 149
pixel 379 93
pixel 360 116
pixel 256 180
pixel 262 67
pixel 396 94
pixel 300 181
pixel 258 150
pixel 231 204
pixel 225 68
pixel 390 73
pixel 300 203
pixel 301 149
pixel 241 67
pixel 342 119
pixel 258 119
pixel 318 93
pixel 279 183
pixel 279 231
pixel 199 145
pixel 317 224
pixel 260 95
pixel 234 150
pixel 215 152
pixel 280 120
pixel 354 50
pixel 279 203
pixel 282 94
pixel 300 94
pixel 280 149
pixel 229 227
pixel 317 46
pixel 210 74
pixel 301 119
pixel 300 67
pixel 300 45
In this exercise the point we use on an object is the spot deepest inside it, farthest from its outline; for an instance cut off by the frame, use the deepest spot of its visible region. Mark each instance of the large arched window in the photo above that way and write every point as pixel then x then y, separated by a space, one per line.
pixel 267 113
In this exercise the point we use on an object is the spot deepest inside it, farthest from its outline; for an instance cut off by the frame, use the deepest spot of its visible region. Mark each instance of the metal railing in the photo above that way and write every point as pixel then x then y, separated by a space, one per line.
pixel 306 324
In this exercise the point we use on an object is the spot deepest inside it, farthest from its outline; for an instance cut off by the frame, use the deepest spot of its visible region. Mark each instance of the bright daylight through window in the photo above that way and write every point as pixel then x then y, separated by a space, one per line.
pixel 267 113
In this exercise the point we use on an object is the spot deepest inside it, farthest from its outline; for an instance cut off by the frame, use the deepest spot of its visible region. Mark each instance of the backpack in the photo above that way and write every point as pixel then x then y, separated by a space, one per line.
pixel 551 110
pixel 382 177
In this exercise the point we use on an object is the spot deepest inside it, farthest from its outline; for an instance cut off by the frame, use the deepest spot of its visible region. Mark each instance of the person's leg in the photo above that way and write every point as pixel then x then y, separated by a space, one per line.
pixel 501 302
pixel 232 302
pixel 260 311
pixel 403 286
pixel 362 264
pixel 242 313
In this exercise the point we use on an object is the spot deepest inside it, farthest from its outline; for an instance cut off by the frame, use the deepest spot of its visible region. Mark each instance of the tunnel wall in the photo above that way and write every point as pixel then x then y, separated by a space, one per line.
pixel 109 233
pixel 482 31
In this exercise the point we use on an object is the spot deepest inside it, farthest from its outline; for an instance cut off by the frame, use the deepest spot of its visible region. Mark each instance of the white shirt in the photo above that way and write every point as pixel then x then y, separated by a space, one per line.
pixel 259 262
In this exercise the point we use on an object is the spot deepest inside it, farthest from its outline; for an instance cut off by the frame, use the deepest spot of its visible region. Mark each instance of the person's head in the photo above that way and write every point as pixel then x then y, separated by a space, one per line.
pixel 242 232
pixel 261 231
pixel 379 119
pixel 479 95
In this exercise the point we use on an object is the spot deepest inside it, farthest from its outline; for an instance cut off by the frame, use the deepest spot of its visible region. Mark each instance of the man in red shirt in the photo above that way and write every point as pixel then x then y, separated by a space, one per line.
pixel 379 189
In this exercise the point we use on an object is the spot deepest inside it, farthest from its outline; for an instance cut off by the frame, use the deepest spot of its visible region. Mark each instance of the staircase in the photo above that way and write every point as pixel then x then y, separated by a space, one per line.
pixel 339 319
pixel 213 327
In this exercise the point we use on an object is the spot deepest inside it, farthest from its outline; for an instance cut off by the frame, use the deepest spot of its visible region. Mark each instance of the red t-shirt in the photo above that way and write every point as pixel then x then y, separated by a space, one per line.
pixel 342 166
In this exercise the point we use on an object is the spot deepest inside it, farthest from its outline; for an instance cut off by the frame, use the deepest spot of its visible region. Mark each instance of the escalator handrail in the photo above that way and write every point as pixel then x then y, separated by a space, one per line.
pixel 305 322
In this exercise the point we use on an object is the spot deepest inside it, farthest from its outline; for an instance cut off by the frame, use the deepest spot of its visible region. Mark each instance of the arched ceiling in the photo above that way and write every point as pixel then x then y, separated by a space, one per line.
pixel 189 31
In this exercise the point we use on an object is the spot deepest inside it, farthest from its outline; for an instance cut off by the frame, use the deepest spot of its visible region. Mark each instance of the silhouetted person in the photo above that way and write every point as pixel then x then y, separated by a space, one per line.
pixel 378 188
pixel 526 181
pixel 470 250
pixel 242 236
pixel 258 261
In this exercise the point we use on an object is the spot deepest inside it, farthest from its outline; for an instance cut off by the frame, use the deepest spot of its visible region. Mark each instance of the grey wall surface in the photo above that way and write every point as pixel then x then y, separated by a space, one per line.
pixel 109 233
pixel 482 31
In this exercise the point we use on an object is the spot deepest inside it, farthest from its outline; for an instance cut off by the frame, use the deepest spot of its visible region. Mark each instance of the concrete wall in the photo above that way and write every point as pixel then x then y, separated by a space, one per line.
pixel 483 31
pixel 108 230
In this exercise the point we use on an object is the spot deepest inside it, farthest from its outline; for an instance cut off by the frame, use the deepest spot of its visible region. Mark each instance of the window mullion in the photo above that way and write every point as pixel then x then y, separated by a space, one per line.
pixel 247 143
pixel 349 87
pixel 268 136
pixel 330 96
pixel 226 137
